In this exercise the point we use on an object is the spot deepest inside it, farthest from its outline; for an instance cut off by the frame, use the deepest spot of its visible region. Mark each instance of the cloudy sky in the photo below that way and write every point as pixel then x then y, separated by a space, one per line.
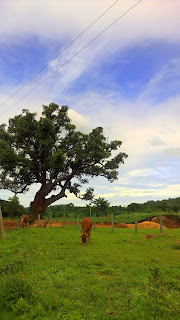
pixel 127 81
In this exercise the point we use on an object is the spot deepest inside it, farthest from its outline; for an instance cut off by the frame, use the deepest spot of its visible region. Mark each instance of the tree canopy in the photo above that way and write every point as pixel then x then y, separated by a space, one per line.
pixel 101 204
pixel 50 151
pixel 12 208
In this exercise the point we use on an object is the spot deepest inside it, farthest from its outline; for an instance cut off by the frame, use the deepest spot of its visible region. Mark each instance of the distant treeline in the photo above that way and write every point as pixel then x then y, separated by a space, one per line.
pixel 11 209
pixel 170 206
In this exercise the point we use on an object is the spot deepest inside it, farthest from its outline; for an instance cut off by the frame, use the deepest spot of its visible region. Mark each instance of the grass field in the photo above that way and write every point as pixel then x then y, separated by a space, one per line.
pixel 46 274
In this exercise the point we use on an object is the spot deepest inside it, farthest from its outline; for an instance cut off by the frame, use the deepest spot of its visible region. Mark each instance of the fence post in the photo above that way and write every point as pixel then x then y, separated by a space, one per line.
pixel 112 222
pixel 90 212
pixel 136 224
pixel 63 220
pixel 50 220
pixel 2 231
pixel 39 219
pixel 78 222
pixel 94 222
pixel 161 225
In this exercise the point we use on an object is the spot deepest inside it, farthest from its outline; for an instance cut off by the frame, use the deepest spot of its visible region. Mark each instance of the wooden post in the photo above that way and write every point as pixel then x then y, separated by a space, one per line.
pixel 136 224
pixel 90 212
pixel 2 232
pixel 78 222
pixel 39 220
pixel 50 220
pixel 63 220
pixel 94 222
pixel 17 223
pixel 112 222
pixel 161 224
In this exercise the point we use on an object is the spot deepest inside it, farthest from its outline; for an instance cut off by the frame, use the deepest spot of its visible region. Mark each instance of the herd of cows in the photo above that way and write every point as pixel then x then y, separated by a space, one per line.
pixel 85 233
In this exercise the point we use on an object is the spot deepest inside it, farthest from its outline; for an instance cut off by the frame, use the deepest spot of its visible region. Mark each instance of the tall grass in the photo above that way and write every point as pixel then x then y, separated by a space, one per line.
pixel 46 274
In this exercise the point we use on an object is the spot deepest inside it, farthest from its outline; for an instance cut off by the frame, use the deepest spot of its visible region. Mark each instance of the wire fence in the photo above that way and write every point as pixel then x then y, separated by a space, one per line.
pixel 65 222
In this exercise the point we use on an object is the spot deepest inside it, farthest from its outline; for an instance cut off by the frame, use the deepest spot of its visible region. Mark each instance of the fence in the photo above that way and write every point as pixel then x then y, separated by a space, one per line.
pixel 16 224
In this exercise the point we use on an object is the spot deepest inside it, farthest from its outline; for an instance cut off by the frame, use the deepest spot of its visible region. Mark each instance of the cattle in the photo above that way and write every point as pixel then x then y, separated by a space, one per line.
pixel 86 231
pixel 24 220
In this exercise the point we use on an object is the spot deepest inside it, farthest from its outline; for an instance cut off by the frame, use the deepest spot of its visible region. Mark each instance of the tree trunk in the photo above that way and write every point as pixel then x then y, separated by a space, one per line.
pixel 38 206
pixel 2 232
pixel 40 203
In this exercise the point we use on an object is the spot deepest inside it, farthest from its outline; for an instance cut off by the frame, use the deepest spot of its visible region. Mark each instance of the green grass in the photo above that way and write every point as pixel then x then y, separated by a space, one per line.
pixel 46 274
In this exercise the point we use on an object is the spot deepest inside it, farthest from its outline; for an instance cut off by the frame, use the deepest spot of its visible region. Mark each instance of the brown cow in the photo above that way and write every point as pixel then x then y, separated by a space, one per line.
pixel 24 220
pixel 86 230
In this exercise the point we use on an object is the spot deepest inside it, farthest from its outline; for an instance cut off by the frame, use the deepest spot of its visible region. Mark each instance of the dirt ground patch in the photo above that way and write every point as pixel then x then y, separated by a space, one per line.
pixel 169 221
pixel 149 236
pixel 109 225
pixel 146 225
pixel 10 224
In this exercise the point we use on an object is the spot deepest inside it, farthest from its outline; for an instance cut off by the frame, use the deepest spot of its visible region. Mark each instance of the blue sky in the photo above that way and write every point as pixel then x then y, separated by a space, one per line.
pixel 127 81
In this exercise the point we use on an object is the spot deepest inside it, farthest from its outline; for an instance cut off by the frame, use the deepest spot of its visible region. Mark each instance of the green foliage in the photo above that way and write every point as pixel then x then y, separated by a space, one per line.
pixel 176 246
pixel 21 306
pixel 12 208
pixel 30 155
pixel 170 205
pixel 73 316
pixel 101 204
pixel 3 204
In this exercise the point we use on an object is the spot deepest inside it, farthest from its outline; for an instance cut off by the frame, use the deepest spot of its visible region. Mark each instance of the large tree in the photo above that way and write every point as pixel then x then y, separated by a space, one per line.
pixel 50 151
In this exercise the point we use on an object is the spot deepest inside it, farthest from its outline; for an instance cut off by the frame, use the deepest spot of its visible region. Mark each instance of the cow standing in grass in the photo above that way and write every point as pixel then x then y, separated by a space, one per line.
pixel 86 231
pixel 25 220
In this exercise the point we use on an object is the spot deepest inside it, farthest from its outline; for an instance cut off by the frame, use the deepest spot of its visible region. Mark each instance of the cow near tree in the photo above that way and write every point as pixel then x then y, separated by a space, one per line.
pixel 50 151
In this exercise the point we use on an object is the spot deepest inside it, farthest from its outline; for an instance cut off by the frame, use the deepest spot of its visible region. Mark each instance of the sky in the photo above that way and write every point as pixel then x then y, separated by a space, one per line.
pixel 127 81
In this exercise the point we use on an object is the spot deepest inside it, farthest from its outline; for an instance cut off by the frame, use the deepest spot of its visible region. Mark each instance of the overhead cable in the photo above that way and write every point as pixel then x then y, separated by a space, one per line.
pixel 61 66
pixel 59 53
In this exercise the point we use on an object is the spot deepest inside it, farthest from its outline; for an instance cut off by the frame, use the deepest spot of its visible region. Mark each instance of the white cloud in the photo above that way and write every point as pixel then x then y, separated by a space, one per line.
pixel 105 195
pixel 121 193
pixel 167 79
pixel 156 141
pixel 149 19
pixel 141 172
pixel 81 122
pixel 172 153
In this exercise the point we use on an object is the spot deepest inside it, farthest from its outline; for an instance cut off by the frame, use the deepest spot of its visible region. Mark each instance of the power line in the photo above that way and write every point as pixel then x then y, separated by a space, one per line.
pixel 59 53
pixel 73 56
